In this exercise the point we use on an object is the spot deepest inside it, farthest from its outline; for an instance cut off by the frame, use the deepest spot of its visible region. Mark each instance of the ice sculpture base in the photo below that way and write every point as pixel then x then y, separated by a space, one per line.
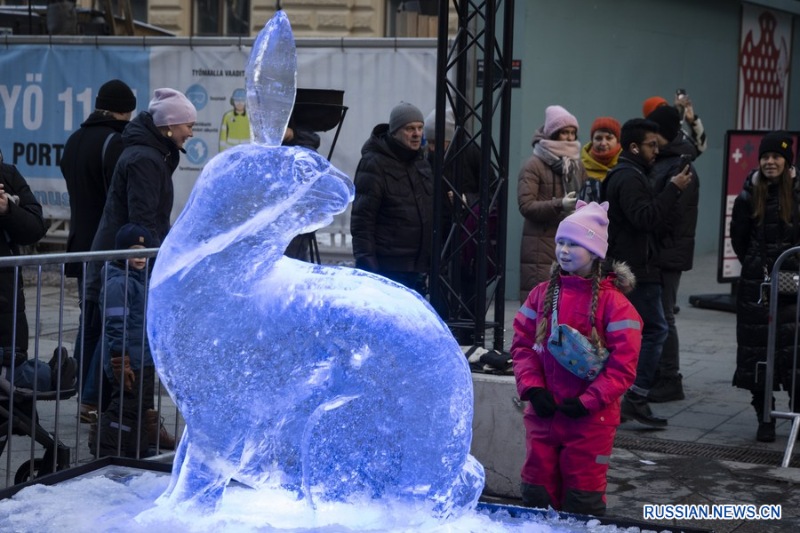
pixel 79 499
pixel 497 425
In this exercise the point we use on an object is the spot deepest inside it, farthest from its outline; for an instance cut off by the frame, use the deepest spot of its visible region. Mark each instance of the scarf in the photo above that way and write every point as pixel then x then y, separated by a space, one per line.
pixel 563 157
pixel 597 165
pixel 400 150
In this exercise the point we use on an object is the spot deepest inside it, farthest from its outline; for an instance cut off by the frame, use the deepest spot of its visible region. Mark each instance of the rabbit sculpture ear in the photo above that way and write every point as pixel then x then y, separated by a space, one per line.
pixel 271 81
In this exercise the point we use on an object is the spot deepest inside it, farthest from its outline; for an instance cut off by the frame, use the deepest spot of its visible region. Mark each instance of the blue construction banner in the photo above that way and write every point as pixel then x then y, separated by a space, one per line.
pixel 46 95
pixel 47 89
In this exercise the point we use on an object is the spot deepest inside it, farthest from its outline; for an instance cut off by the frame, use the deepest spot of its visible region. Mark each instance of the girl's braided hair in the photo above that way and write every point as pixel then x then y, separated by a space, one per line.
pixel 555 272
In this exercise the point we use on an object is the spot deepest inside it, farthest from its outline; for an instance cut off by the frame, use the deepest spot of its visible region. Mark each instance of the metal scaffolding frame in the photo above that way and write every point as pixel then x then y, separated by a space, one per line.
pixel 469 233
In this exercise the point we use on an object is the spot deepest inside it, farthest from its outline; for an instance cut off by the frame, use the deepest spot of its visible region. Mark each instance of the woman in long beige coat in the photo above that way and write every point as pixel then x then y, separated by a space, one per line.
pixel 547 191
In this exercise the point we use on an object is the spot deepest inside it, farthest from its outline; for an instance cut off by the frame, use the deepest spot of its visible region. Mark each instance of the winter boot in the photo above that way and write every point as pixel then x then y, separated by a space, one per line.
pixel 88 414
pixel 535 496
pixel 66 372
pixel 119 430
pixel 635 406
pixel 667 389
pixel 766 431
pixel 156 432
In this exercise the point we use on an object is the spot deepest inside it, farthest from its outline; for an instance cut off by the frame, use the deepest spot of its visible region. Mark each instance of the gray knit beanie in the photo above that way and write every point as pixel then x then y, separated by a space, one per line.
pixel 402 114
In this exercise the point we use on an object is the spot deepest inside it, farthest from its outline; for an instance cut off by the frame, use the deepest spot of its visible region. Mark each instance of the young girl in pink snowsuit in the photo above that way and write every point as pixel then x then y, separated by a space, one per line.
pixel 571 421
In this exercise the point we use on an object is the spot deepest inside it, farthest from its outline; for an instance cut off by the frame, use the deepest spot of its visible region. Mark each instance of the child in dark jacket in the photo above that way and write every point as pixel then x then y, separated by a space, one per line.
pixel 572 418
pixel 127 360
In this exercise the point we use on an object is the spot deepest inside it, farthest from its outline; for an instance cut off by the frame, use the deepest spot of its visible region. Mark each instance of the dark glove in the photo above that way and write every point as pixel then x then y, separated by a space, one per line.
pixel 573 408
pixel 542 401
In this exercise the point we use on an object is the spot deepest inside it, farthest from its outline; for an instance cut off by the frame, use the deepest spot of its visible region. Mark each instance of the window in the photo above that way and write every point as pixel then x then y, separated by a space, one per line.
pixel 403 16
pixel 221 17
pixel 138 8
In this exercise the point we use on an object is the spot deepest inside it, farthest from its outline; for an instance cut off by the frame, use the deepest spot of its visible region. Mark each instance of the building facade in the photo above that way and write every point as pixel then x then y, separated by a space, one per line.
pixel 310 18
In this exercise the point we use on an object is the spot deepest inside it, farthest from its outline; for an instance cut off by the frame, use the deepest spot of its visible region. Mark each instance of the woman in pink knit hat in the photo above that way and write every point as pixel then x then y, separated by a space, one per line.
pixel 141 192
pixel 574 407
pixel 547 190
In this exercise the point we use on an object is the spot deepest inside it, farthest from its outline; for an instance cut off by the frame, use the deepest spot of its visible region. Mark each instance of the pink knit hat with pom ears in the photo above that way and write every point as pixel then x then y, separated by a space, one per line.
pixel 587 227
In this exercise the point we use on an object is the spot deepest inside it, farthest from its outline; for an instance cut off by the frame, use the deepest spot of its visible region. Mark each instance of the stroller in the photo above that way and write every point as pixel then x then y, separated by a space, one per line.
pixel 18 416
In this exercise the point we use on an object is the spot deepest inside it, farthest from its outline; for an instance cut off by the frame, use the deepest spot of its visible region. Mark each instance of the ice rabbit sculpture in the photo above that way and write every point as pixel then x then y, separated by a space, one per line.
pixel 328 381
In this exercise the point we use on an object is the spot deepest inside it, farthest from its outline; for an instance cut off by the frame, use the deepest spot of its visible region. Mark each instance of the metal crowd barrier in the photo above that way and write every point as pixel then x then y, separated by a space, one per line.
pixel 31 419
pixel 769 411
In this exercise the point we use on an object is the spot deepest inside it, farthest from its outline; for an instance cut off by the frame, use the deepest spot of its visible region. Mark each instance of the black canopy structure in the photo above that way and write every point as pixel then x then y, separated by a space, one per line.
pixel 319 110
pixel 315 110
pixel 471 299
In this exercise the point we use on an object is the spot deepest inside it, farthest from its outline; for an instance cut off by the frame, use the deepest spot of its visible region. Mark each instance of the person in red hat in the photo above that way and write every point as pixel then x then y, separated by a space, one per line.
pixel 599 156
pixel 697 133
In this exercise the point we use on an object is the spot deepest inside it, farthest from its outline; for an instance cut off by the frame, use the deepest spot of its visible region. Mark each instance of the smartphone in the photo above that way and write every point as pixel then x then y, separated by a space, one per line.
pixel 686 159
pixel 680 93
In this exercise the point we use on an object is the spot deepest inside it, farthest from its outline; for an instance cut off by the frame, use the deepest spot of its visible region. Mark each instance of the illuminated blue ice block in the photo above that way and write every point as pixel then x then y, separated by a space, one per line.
pixel 328 381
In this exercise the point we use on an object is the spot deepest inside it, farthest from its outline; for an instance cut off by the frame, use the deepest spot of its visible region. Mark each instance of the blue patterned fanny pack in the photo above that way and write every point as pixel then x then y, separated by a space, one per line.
pixel 573 350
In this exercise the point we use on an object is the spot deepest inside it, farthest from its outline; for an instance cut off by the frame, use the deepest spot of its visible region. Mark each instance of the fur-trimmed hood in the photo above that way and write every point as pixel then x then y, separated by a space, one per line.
pixel 621 274
pixel 624 279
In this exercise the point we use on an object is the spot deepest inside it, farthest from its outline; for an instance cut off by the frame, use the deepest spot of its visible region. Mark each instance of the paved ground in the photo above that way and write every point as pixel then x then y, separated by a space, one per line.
pixel 718 419
pixel 53 311
pixel 707 455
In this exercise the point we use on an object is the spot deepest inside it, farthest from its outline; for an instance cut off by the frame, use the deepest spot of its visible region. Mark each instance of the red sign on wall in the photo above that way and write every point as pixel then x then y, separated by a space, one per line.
pixel 764 62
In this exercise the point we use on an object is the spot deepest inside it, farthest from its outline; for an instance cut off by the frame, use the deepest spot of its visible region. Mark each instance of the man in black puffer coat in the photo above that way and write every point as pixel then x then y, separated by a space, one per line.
pixel 393 207
pixel 675 241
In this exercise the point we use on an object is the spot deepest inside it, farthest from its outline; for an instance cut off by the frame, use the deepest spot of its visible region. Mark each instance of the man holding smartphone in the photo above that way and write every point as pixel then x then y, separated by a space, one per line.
pixel 675 242
pixel 637 216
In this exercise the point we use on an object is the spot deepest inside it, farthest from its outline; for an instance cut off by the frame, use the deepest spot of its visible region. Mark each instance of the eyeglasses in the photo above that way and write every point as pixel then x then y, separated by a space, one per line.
pixel 652 144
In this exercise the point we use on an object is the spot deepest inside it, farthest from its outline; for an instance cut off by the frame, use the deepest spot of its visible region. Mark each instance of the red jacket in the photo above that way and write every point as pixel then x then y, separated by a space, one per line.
pixel 618 324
